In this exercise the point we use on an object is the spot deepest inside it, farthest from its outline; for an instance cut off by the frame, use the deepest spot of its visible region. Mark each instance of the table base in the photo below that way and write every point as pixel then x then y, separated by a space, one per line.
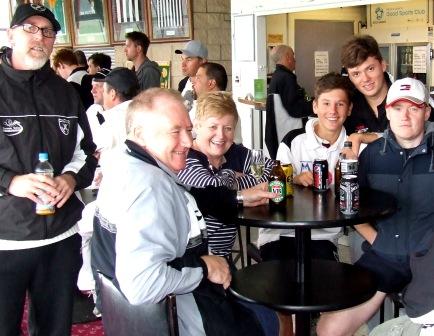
pixel 332 286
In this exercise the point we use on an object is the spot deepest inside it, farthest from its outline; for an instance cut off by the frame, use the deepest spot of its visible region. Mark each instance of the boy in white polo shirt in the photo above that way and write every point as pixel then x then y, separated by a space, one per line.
pixel 324 138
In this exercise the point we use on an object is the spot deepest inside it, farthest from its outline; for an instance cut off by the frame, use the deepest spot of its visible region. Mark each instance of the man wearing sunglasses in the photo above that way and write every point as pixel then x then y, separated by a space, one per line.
pixel 39 112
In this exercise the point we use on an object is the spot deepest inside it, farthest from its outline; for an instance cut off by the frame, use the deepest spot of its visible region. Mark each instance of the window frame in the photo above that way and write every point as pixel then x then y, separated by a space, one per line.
pixel 73 32
pixel 114 41
pixel 70 24
pixel 187 37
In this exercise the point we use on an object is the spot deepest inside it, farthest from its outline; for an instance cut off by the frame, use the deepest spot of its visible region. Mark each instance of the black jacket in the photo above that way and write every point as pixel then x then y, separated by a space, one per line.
pixel 409 177
pixel 40 112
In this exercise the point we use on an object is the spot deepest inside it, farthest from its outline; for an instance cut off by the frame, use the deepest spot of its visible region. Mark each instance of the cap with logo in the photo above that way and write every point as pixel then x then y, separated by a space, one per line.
pixel 122 79
pixel 100 75
pixel 25 11
pixel 407 89
pixel 194 48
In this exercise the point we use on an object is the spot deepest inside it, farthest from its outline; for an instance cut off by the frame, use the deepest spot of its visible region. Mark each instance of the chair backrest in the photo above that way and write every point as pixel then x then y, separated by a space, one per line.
pixel 120 318
pixel 291 135
pixel 284 122
pixel 278 123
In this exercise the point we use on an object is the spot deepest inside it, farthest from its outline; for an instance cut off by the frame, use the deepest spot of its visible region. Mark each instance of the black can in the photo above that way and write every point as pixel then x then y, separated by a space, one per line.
pixel 320 175
pixel 349 195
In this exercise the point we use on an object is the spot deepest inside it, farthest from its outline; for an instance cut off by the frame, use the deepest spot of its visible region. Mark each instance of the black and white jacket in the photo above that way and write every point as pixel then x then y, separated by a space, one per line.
pixel 40 112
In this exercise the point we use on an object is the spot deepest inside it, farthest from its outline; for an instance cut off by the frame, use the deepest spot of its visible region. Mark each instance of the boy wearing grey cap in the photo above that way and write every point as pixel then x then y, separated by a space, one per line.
pixel 194 54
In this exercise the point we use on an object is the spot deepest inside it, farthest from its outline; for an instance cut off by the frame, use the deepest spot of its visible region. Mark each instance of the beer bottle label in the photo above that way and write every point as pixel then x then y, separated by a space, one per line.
pixel 277 187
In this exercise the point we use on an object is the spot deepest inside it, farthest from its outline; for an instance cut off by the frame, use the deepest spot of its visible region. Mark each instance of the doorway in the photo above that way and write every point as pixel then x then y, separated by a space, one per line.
pixel 311 36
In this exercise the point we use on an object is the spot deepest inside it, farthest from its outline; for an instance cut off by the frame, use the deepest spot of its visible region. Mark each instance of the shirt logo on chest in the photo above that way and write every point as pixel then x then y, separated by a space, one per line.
pixel 64 125
pixel 12 127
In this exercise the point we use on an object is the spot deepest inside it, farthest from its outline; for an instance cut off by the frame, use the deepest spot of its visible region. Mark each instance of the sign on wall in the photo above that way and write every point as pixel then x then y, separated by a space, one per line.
pixel 321 63
pixel 399 13
pixel 419 59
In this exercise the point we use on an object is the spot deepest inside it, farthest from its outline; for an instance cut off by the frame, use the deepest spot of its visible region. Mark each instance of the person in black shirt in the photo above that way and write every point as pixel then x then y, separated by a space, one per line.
pixel 366 70
pixel 293 97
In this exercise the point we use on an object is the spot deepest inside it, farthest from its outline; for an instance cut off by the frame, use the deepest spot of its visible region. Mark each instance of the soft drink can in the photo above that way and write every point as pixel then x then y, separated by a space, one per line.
pixel 349 195
pixel 320 175
pixel 289 171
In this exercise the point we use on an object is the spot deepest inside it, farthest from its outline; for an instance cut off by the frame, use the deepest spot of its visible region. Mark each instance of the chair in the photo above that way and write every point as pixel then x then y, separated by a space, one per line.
pixel 120 318
pixel 239 253
pixel 396 299
pixel 278 123
pixel 251 249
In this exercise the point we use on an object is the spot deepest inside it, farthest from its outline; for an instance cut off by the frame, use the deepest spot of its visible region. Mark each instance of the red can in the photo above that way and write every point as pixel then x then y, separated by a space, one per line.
pixel 320 175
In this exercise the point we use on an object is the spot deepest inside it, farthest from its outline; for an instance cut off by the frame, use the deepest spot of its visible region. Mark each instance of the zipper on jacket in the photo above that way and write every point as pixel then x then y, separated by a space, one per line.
pixel 41 136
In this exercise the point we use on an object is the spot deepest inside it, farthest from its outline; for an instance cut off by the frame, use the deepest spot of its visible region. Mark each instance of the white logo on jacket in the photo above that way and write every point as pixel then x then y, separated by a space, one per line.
pixel 12 127
pixel 64 125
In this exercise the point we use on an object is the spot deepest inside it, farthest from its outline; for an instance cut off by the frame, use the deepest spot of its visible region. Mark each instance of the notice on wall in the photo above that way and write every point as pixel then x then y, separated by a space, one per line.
pixel 419 59
pixel 275 38
pixel 321 63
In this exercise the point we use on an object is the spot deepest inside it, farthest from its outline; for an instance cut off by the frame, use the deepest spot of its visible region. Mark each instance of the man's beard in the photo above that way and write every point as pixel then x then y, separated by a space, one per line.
pixel 34 63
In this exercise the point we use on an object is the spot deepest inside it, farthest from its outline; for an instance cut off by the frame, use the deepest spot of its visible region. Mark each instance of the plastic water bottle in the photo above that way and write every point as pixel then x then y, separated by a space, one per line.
pixel 43 167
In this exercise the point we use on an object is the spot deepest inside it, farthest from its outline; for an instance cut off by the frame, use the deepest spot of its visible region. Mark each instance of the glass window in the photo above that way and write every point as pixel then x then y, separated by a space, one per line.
pixel 127 16
pixel 90 22
pixel 170 19
pixel 58 8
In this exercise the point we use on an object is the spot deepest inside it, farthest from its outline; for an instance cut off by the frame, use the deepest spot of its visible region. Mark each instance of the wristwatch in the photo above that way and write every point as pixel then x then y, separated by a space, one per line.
pixel 240 197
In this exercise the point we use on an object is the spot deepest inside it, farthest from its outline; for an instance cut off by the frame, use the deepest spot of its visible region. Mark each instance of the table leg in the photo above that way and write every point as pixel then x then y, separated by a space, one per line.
pixel 303 276
pixel 302 242
pixel 302 324
pixel 261 143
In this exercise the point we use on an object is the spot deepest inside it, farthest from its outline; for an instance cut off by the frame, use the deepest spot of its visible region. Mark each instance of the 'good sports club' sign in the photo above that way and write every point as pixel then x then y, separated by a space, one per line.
pixel 397 13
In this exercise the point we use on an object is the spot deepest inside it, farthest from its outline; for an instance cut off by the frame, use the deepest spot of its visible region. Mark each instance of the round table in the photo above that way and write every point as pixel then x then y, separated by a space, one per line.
pixel 303 286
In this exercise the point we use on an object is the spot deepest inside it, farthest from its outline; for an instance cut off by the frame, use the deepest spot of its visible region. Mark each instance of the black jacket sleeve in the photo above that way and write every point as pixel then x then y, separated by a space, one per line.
pixel 219 202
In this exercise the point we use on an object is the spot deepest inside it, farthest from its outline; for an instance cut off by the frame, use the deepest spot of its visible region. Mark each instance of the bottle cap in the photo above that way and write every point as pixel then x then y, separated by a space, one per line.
pixel 43 156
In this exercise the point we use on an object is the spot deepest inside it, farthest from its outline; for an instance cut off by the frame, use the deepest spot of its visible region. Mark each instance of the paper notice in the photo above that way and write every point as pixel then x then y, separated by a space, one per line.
pixel 419 59
pixel 321 63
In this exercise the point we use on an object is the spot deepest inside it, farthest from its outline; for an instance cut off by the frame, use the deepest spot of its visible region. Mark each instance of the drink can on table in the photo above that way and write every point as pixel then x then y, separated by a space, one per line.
pixel 289 171
pixel 320 175
pixel 349 195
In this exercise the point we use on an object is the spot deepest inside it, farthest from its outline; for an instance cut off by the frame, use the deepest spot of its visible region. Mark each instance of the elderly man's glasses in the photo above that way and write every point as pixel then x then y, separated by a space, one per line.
pixel 32 29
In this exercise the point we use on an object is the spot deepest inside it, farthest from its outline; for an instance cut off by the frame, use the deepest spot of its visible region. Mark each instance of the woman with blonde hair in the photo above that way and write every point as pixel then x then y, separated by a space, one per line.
pixel 216 160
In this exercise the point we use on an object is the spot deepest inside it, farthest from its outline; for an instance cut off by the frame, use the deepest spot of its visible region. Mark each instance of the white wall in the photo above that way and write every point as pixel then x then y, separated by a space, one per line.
pixel 4 24
pixel 244 72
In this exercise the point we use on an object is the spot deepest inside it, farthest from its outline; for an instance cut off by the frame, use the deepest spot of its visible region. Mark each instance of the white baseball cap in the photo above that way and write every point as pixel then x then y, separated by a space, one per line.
pixel 408 89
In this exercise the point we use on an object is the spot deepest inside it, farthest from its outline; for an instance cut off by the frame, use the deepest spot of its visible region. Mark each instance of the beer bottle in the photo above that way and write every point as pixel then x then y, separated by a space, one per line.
pixel 338 171
pixel 277 185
